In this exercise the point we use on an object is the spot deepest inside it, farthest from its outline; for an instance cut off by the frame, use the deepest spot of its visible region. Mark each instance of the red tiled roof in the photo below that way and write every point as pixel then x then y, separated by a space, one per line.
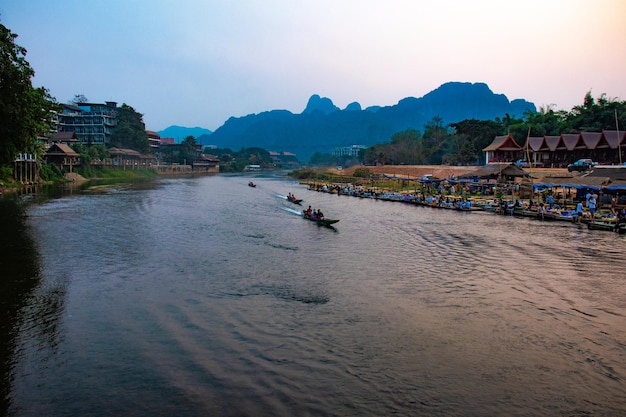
pixel 554 142
pixel 572 141
pixel 613 138
pixel 536 143
pixel 127 152
pixel 64 137
pixel 61 149
pixel 503 143
pixel 591 139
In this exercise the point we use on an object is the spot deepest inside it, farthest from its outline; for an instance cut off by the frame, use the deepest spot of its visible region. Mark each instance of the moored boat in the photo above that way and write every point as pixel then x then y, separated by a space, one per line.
pixel 601 225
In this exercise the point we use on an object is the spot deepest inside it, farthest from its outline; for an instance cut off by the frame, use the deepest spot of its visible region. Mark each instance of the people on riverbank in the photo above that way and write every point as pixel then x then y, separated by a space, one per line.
pixel 473 199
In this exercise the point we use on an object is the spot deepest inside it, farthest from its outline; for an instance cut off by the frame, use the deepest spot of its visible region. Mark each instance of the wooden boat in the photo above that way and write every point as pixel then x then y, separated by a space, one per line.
pixel 621 229
pixel 324 221
pixel 567 216
pixel 601 225
pixel 294 200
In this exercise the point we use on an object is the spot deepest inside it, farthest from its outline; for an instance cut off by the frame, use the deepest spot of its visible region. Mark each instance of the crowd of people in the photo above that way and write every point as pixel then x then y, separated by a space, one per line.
pixel 546 204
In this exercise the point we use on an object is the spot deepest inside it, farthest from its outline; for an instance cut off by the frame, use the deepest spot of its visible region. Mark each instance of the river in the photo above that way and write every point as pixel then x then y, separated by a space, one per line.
pixel 203 296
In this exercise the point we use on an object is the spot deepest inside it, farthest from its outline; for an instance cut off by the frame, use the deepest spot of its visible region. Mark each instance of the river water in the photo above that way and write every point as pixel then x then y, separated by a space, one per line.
pixel 203 296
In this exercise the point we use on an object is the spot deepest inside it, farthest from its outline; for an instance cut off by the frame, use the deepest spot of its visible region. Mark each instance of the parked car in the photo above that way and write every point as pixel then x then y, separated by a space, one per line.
pixel 581 165
pixel 524 164
pixel 521 163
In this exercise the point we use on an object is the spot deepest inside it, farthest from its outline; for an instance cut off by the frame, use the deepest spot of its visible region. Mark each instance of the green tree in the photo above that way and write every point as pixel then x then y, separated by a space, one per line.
pixel 435 141
pixel 404 148
pixel 188 150
pixel 595 115
pixel 79 98
pixel 470 137
pixel 24 110
pixel 130 131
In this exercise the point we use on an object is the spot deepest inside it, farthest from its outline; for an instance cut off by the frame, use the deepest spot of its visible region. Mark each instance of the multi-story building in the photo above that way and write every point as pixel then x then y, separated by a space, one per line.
pixel 352 150
pixel 91 122
pixel 154 139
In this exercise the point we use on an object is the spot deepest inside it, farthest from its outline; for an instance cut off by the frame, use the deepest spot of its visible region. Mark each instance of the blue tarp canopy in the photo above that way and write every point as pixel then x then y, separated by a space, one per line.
pixel 620 187
pixel 543 186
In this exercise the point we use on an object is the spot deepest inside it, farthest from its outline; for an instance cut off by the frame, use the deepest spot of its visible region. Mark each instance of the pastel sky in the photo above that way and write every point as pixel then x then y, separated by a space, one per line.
pixel 199 62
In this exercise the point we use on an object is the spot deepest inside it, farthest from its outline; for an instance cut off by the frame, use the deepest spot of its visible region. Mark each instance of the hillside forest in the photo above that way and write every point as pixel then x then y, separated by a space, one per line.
pixel 462 143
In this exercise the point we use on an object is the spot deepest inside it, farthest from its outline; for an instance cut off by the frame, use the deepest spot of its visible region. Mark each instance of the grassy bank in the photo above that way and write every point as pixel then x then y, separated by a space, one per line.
pixel 118 174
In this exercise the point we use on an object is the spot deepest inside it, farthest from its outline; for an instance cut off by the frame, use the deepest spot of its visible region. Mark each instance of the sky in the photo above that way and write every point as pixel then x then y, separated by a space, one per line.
pixel 199 62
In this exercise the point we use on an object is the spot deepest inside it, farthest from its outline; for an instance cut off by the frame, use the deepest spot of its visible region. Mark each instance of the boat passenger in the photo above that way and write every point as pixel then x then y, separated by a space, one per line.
pixel 319 214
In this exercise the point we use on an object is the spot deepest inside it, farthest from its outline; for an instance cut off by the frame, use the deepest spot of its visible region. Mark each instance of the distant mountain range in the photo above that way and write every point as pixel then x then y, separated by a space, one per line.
pixel 179 133
pixel 323 126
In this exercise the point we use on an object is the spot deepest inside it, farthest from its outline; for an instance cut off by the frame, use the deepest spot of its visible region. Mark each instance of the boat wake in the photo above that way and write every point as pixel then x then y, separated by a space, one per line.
pixel 290 210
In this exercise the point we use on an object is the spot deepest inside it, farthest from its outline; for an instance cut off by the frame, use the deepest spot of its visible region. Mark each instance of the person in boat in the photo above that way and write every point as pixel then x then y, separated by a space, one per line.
pixel 319 215
pixel 621 220
pixel 308 212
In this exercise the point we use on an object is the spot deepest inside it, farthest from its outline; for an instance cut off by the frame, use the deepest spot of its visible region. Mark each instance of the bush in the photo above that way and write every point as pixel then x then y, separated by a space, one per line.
pixel 50 172
pixel 361 173
pixel 6 174
pixel 301 174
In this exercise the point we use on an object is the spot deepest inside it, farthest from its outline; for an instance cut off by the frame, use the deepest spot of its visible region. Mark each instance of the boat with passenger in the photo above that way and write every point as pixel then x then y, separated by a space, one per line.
pixel 324 221
pixel 292 199
pixel 318 217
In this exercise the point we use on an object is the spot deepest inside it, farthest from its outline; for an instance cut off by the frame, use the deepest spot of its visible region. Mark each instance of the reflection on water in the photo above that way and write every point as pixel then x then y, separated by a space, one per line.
pixel 203 296
pixel 20 277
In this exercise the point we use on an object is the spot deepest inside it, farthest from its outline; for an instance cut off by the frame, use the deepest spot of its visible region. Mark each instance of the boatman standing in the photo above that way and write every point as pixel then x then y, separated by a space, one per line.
pixel 579 212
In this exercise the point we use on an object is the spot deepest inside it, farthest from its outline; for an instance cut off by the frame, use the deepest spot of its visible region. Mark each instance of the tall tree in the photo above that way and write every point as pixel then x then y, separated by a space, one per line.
pixel 188 150
pixel 79 98
pixel 595 115
pixel 435 140
pixel 470 138
pixel 130 131
pixel 24 110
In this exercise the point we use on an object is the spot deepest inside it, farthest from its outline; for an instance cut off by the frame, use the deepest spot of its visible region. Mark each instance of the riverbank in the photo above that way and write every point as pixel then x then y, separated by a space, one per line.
pixel 437 171
pixel 469 199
